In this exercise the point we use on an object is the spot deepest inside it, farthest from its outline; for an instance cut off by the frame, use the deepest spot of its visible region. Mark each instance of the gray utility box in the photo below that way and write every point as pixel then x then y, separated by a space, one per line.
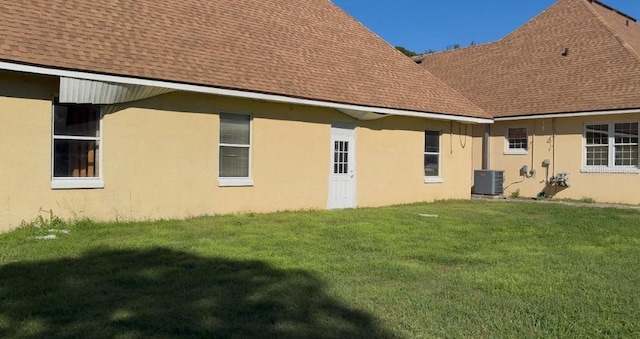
pixel 488 182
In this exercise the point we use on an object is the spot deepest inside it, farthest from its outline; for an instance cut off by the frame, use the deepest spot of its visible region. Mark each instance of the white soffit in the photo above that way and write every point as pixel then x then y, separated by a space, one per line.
pixel 362 115
pixel 82 91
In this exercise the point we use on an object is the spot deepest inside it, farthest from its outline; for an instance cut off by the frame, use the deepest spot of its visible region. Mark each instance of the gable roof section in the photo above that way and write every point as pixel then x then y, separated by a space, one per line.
pixel 527 73
pixel 306 49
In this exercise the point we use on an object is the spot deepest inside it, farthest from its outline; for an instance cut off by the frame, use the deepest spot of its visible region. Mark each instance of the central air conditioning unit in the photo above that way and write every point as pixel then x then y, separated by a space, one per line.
pixel 488 182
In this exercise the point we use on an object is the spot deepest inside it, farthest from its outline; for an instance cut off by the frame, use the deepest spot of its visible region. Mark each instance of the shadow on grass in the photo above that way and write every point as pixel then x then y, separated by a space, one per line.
pixel 164 293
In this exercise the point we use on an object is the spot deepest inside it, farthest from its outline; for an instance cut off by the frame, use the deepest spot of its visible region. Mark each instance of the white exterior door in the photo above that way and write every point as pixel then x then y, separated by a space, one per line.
pixel 342 177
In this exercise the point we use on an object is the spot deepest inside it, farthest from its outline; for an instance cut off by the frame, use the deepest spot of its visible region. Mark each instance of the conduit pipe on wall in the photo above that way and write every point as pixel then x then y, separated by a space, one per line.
pixel 463 141
pixel 451 137
pixel 524 170
pixel 532 173
pixel 553 145
pixel 486 147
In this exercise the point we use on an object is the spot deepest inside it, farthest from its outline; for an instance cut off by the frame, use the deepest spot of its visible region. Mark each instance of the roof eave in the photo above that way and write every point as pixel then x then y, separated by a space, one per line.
pixel 44 70
pixel 567 114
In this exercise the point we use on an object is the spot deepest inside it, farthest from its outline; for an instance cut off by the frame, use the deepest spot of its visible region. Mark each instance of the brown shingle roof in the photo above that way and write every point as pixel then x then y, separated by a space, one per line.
pixel 304 48
pixel 526 73
pixel 623 26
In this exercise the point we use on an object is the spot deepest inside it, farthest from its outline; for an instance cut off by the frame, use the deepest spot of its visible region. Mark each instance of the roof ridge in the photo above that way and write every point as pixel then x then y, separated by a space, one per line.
pixel 529 21
pixel 611 30
pixel 617 11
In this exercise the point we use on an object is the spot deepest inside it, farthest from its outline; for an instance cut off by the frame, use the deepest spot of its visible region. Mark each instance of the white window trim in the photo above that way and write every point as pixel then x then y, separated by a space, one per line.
pixel 434 179
pixel 515 151
pixel 237 181
pixel 609 170
pixel 76 182
pixel 612 168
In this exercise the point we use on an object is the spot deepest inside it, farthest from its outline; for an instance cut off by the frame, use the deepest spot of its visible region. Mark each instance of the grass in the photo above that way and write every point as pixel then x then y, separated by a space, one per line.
pixel 478 269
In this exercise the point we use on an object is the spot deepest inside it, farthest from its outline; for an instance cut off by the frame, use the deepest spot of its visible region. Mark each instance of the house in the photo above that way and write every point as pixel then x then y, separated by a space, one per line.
pixel 564 91
pixel 133 110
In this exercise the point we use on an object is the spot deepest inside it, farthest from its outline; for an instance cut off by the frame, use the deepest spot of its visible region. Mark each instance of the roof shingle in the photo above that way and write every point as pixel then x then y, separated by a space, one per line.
pixel 528 73
pixel 305 48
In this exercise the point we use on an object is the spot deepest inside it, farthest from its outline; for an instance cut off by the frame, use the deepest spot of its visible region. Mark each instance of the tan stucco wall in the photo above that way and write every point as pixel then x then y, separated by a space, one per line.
pixel 564 149
pixel 389 171
pixel 289 157
pixel 160 158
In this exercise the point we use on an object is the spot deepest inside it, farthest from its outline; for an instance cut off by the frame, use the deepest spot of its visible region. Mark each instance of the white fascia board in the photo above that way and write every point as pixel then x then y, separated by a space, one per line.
pixel 233 93
pixel 568 115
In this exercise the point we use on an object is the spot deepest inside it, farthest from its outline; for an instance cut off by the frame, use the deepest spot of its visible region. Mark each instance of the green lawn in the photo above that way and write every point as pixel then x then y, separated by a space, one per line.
pixel 479 269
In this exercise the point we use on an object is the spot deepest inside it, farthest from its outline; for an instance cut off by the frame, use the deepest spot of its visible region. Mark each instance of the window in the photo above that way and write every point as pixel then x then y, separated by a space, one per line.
pixel 597 146
pixel 517 141
pixel 76 146
pixel 432 156
pixel 626 144
pixel 340 157
pixel 612 146
pixel 235 150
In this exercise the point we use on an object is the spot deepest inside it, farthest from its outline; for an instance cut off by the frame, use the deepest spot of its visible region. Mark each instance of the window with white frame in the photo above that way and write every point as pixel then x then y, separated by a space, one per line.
pixel 235 150
pixel 76 146
pixel 517 140
pixel 432 156
pixel 611 145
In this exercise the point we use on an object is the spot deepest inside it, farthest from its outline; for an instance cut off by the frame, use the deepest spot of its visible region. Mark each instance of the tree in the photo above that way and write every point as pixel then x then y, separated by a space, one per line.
pixel 452 47
pixel 406 51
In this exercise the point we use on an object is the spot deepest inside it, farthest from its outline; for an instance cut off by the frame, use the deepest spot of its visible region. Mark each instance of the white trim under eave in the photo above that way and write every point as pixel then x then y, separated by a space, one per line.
pixel 569 115
pixel 232 93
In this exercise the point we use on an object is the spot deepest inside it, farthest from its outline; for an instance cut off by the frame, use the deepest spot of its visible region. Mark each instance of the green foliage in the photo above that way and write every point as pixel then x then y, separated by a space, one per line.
pixel 587 200
pixel 48 220
pixel 515 194
pixel 480 269
pixel 407 52
pixel 452 47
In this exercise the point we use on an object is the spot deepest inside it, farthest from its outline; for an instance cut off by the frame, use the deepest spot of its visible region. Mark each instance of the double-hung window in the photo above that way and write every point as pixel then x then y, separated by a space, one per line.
pixel 235 150
pixel 76 146
pixel 517 141
pixel 611 147
pixel 432 166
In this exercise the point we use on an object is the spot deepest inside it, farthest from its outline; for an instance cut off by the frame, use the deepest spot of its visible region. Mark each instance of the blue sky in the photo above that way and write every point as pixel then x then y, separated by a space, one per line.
pixel 420 25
